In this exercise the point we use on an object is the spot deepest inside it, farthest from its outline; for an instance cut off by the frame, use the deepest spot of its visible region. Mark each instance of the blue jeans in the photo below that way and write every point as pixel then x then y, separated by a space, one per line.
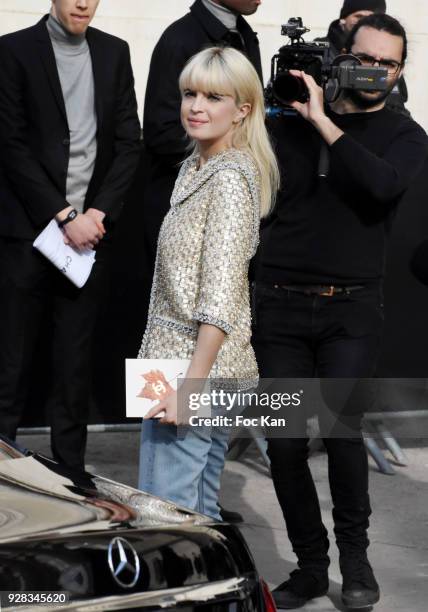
pixel 186 471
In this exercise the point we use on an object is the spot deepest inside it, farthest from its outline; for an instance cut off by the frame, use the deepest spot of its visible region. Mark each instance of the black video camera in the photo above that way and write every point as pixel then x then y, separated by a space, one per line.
pixel 344 72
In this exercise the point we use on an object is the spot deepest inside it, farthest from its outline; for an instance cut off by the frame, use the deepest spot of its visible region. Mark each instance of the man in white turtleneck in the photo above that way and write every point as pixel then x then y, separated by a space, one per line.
pixel 69 147
pixel 73 60
pixel 67 25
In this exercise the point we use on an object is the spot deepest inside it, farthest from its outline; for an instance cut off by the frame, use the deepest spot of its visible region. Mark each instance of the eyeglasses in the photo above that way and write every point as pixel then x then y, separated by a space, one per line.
pixel 367 60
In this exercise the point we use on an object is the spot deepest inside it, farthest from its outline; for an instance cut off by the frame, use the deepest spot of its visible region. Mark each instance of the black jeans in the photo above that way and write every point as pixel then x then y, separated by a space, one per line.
pixel 300 336
pixel 30 284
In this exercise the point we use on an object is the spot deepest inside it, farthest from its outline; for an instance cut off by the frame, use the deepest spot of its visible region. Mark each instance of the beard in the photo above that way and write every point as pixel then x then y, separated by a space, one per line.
pixel 365 100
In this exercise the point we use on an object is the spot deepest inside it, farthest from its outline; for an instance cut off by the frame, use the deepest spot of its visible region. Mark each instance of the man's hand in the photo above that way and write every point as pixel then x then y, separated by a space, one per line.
pixel 82 233
pixel 98 216
pixel 85 231
pixel 313 110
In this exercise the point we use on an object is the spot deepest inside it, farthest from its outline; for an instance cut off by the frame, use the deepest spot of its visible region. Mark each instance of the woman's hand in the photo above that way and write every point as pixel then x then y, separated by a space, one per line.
pixel 167 405
pixel 210 338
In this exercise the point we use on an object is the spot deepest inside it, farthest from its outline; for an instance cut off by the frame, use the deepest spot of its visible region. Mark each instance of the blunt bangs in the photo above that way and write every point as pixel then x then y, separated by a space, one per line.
pixel 211 75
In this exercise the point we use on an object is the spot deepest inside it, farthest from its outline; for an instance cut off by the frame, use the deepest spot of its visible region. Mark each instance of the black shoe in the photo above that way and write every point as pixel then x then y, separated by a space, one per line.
pixel 302 586
pixel 230 517
pixel 360 589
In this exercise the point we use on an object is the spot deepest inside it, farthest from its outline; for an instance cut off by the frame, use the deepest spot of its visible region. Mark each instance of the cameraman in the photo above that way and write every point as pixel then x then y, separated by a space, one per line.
pixel 319 294
pixel 352 11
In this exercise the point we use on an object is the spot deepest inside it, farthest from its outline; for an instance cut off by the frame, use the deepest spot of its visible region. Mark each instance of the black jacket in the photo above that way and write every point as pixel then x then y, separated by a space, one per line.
pixel 34 133
pixel 164 137
pixel 336 37
pixel 162 130
pixel 419 263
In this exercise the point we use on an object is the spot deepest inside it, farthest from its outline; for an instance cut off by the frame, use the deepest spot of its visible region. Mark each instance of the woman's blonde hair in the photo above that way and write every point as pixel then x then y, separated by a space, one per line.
pixel 226 71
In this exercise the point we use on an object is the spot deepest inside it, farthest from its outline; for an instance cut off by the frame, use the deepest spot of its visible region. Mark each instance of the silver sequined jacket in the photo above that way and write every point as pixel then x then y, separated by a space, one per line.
pixel 201 276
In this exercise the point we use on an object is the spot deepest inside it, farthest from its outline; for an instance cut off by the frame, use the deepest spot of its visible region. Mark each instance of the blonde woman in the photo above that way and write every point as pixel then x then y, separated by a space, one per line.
pixel 199 307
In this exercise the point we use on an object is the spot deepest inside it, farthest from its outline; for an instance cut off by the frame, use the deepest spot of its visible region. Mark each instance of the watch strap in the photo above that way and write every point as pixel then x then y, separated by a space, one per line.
pixel 70 217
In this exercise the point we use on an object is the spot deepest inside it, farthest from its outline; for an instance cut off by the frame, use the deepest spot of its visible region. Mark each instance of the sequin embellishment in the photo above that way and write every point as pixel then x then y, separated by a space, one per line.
pixel 205 244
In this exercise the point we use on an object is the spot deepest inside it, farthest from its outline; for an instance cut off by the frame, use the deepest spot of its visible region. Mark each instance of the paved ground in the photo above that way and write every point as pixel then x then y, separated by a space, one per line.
pixel 399 526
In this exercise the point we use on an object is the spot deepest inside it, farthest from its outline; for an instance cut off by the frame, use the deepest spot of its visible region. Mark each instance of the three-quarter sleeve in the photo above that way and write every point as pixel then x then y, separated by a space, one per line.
pixel 229 237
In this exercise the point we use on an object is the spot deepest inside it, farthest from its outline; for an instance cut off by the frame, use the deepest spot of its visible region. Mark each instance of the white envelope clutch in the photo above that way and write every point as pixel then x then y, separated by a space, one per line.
pixel 149 380
pixel 75 265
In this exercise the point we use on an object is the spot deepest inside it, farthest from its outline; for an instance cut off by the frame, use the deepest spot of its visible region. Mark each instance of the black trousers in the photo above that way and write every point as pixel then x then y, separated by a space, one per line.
pixel 301 336
pixel 30 284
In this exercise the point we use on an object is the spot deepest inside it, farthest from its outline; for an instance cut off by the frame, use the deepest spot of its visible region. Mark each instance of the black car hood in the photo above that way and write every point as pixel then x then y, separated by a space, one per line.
pixel 40 498
pixel 96 539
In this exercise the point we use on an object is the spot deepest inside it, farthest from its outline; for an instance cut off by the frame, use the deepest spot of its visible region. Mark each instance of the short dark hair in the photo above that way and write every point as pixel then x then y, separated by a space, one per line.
pixel 382 23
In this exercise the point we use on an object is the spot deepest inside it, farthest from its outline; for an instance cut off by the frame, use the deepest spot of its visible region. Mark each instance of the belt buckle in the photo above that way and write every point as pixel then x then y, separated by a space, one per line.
pixel 328 293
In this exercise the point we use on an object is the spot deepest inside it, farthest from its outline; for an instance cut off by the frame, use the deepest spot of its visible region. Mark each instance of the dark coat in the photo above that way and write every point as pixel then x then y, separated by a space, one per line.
pixel 419 263
pixel 34 133
pixel 164 137
pixel 336 37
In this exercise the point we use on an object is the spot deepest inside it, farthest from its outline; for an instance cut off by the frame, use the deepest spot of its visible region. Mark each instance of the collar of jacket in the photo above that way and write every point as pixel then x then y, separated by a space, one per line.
pixel 215 29
pixel 336 36
pixel 231 159
pixel 98 65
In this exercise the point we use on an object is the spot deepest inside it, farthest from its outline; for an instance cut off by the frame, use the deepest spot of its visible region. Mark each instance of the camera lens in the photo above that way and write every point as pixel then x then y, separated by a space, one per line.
pixel 287 89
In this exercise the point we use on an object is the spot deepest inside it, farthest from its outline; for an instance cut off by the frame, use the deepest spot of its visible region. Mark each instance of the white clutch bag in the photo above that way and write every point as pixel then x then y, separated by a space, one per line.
pixel 75 265
pixel 148 381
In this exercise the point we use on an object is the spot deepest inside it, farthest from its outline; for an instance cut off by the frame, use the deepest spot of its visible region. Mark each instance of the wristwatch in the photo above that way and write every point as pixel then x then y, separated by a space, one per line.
pixel 70 217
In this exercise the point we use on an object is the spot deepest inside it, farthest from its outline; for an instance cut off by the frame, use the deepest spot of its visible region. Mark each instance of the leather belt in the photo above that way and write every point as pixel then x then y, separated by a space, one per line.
pixel 324 290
